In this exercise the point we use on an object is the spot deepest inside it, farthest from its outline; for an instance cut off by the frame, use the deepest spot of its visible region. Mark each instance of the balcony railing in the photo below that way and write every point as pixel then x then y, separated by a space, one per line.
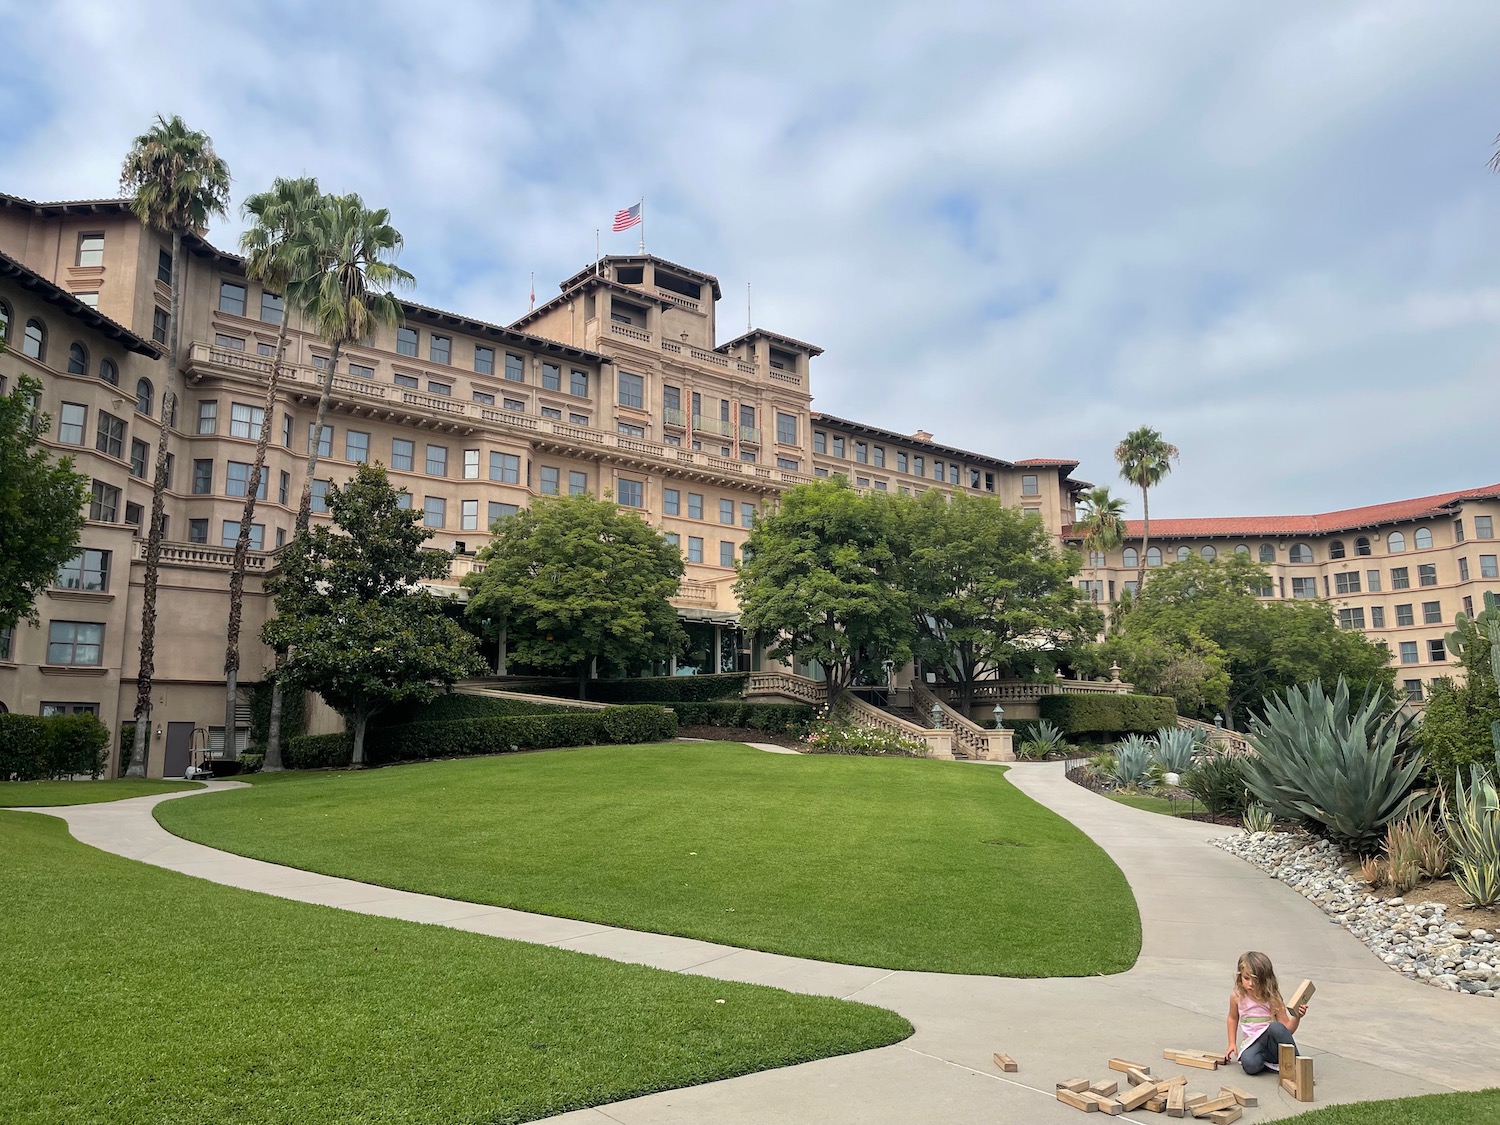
pixel 202 556
pixel 702 594
pixel 706 425
pixel 750 434
pixel 630 333
pixel 671 416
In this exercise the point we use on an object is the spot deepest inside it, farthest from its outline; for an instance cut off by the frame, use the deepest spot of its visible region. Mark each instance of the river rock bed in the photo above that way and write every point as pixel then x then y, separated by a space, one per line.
pixel 1414 938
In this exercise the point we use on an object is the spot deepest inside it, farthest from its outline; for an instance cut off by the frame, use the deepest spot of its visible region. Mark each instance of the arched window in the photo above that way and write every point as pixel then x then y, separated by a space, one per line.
pixel 1209 553
pixel 1422 539
pixel 78 359
pixel 1097 558
pixel 1184 553
pixel 1362 545
pixel 1267 553
pixel 1131 558
pixel 143 395
pixel 1153 556
pixel 35 342
pixel 109 372
pixel 4 321
pixel 1301 553
pixel 1336 549
pixel 1395 542
pixel 1242 549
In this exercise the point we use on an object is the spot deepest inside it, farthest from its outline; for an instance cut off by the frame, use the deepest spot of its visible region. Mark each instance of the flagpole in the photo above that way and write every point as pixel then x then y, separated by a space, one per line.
pixel 642 206
pixel 749 320
pixel 532 306
pixel 597 255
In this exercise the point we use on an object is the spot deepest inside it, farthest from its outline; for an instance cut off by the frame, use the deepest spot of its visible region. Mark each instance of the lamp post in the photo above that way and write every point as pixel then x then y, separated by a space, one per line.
pixel 1219 721
pixel 937 716
pixel 999 717
pixel 889 668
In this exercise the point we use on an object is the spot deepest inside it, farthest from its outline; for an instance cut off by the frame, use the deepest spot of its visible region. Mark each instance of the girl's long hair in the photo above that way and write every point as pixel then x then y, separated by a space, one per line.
pixel 1258 966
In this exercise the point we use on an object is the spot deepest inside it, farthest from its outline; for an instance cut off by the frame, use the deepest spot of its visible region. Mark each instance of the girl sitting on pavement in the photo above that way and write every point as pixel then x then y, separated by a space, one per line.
pixel 1258 1020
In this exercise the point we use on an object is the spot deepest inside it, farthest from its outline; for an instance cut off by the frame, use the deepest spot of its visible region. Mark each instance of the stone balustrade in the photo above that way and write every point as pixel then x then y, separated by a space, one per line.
pixel 202 556
pixel 787 685
pixel 974 740
pixel 939 741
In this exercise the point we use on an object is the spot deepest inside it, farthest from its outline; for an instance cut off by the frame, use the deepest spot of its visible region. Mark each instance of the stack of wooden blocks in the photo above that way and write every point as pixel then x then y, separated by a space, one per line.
pixel 1158 1095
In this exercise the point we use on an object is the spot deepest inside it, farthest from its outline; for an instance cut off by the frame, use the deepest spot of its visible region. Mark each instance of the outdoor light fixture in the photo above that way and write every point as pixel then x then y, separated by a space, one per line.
pixel 1218 720
pixel 158 730
pixel 999 717
pixel 937 716
pixel 889 667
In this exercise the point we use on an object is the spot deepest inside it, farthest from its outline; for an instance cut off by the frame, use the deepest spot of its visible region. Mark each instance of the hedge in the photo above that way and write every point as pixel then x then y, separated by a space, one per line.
pixel 318 751
pixel 1108 714
pixel 778 717
pixel 57 746
pixel 647 689
pixel 457 705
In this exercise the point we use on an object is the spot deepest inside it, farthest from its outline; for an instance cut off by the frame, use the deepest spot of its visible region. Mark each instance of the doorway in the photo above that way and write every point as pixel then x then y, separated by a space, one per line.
pixel 179 742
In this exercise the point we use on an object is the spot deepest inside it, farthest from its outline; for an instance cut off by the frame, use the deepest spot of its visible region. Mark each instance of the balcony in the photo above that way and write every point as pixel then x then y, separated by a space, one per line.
pixel 750 435
pixel 706 425
pixel 202 557
pixel 699 594
pixel 671 416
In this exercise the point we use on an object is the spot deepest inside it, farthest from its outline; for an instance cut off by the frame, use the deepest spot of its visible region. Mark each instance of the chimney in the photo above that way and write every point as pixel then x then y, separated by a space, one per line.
pixel 921 435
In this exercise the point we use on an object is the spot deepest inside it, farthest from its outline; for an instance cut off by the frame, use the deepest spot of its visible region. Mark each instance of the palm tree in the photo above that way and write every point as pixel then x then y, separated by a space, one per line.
pixel 176 183
pixel 1103 522
pixel 1144 459
pixel 275 256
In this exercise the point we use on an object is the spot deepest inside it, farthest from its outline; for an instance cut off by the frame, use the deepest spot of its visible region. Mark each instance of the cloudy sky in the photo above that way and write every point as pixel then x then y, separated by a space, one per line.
pixel 1265 228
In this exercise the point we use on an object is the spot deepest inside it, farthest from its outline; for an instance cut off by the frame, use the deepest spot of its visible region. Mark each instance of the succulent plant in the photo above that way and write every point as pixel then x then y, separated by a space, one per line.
pixel 1132 767
pixel 1173 749
pixel 1472 820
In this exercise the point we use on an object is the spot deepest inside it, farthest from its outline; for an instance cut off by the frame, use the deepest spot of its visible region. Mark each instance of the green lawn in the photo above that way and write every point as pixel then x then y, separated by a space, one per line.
pixel 39 794
pixel 1481 1108
pixel 898 863
pixel 137 996
pixel 1155 804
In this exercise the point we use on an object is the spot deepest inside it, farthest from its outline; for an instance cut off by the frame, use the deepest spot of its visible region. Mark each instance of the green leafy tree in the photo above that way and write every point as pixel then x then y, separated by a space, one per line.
pixel 1461 722
pixel 1102 523
pixel 352 616
pixel 989 590
pixel 578 583
pixel 274 256
pixel 1191 669
pixel 176 183
pixel 1266 645
pixel 821 582
pixel 41 504
pixel 1144 459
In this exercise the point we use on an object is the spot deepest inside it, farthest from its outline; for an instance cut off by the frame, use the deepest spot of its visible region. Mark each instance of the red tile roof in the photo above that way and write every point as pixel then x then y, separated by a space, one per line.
pixel 1048 463
pixel 1348 519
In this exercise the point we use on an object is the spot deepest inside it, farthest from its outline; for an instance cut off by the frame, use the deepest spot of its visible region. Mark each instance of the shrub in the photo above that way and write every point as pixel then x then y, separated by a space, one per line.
pixel 1455 729
pixel 1372 871
pixel 460 705
pixel 1132 763
pixel 781 718
pixel 1099 713
pixel 1045 739
pixel 251 763
pixel 465 737
pixel 1343 770
pixel 1413 849
pixel 56 746
pixel 1099 767
pixel 1218 781
pixel 831 735
pixel 319 751
pixel 293 714
pixel 662 689
pixel 1472 819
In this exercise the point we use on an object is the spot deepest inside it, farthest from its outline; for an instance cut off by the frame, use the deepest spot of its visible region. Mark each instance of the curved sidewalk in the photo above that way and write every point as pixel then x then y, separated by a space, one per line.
pixel 1373 1033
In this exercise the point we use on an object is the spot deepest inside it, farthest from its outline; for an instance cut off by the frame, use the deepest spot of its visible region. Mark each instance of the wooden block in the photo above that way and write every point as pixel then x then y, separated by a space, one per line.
pixel 1194 1101
pixel 1176 1101
pixel 1111 1106
pixel 1303 994
pixel 1139 1096
pixel 1213 1105
pixel 1006 1063
pixel 1125 1066
pixel 1289 1086
pixel 1226 1116
pixel 1074 1085
pixel 1067 1097
pixel 1156 1104
pixel 1178 1081
pixel 1304 1078
pixel 1240 1096
pixel 1139 1076
pixel 1105 1089
pixel 1200 1062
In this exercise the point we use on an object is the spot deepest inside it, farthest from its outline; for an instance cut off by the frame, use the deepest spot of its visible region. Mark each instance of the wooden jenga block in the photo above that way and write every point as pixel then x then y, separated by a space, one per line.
pixel 1125 1066
pixel 1156 1105
pixel 1177 1081
pixel 1104 1089
pixel 1139 1076
pixel 1304 1078
pixel 1006 1063
pixel 1074 1085
pixel 1067 1097
pixel 1213 1105
pixel 1194 1101
pixel 1226 1116
pixel 1177 1101
pixel 1303 994
pixel 1139 1096
pixel 1201 1060
pixel 1241 1097
pixel 1286 1061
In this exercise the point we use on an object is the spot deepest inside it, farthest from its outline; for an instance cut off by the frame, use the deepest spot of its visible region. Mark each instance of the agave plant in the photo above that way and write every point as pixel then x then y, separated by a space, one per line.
pixel 1321 761
pixel 1472 819
pixel 1218 780
pixel 1257 818
pixel 1173 748
pixel 1132 767
pixel 1046 738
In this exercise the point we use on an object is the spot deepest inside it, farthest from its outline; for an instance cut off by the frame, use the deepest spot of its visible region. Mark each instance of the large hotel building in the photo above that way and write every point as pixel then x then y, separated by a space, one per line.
pixel 617 386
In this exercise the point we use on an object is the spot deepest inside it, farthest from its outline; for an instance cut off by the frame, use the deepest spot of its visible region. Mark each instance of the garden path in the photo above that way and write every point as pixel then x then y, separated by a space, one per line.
pixel 1374 1034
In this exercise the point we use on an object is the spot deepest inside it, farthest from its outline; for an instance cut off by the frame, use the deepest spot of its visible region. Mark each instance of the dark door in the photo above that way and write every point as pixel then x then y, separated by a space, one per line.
pixel 179 740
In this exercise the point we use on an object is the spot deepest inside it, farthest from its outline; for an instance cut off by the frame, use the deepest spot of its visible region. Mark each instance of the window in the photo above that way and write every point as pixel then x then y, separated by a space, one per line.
pixel 747 515
pixel 109 372
pixel 286 431
pixel 498 512
pixel 1404 615
pixel 1029 485
pixel 673 538
pixel 1427 574
pixel 1208 552
pixel 578 384
pixel 484 398
pixel 1395 542
pixel 4 322
pixel 1432 613
pixel 1377 617
pixel 726 511
pixel 952 473
pixel 551 377
pixel 87 570
pixel 1413 690
pixel 862 482
pixel 1458 531
pixel 902 462
pixel 140 457
pixel 410 382
pixel 695 506
pixel 726 553
pixel 75 642
pixel 877 458
pixel 208 416
pixel 434 511
pixel 90 249
pixel 164 267
pixel 1409 652
pixel 471 464
pixel 1362 546
pixel 819 471
pixel 1422 539
pixel 71 422
pixel 790 464
pixel 361 370
pixel 272 308
pixel 1242 549
pixel 468 515
pixel 403 500
pixel 1468 606
pixel 1336 549
pixel 515 368
pixel 1267 553
pixel 283 486
pixel 1484 527
pixel 245 420
pixel 197 531
pixel 747 455
pixel 625 428
pixel 356 447
pixel 518 405
pixel 1153 556
pixel 671 502
pixel 325 440
pixel 1487 567
pixel 203 477
pixel 632 390
pixel 1183 553
pixel 1400 578
pixel 439 348
pixel 1304 587
pixel 838 445
pixel 229 343
pixel 1463 570
pixel 104 502
pixel 578 482
pixel 550 480
pixel 820 442
pixel 161 325
pixel 1436 650
pixel 403 453
pixel 280 537
pixel 437 460
pixel 78 359
pixel 1301 553
pixel 229 535
pixel 7 638
pixel 406 341
pixel 695 549
pixel 1351 619
pixel 505 468
pixel 237 480
pixel 786 433
pixel 231 298
pixel 436 388
pixel 1130 558
pixel 861 453
pixel 1347 582
pixel 631 493
pixel 484 364
pixel 1372 581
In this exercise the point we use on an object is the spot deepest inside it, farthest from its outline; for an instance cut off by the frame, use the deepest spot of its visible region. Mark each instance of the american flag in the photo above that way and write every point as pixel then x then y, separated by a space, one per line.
pixel 629 217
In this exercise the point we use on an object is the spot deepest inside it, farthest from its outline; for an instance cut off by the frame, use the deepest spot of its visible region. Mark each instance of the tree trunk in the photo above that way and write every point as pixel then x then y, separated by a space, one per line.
pixel 242 547
pixel 143 680
pixel 1140 577
pixel 304 505
pixel 583 678
pixel 272 764
pixel 361 720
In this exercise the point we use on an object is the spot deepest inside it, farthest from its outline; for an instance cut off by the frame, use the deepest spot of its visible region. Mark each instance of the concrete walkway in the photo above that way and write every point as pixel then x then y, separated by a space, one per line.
pixel 1373 1033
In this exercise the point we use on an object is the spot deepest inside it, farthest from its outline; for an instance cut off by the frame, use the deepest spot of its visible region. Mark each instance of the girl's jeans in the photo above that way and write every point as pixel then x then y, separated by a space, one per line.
pixel 1266 1047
